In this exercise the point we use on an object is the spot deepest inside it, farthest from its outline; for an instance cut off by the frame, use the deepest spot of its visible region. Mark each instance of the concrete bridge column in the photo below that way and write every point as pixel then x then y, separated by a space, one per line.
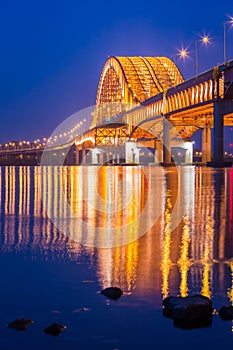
pixel 188 146
pixel 159 152
pixel 218 133
pixel 132 152
pixel 206 144
pixel 76 155
pixel 114 158
pixel 108 157
pixel 166 142
pixel 101 158
pixel 83 155
pixel 136 157
pixel 95 156
pixel 221 108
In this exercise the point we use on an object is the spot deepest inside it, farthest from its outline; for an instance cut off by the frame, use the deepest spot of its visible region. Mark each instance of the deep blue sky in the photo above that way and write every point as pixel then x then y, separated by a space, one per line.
pixel 52 52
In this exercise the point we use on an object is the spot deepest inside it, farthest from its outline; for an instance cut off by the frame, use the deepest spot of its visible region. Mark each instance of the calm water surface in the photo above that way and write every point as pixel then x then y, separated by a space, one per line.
pixel 52 268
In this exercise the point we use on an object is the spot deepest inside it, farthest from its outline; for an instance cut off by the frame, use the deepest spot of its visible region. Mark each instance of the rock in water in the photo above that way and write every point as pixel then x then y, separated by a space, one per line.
pixel 169 303
pixel 112 292
pixel 189 312
pixel 20 324
pixel 54 329
pixel 226 313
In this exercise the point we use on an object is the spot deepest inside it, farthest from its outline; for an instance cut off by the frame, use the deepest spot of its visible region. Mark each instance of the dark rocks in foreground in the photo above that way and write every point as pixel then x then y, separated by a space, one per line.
pixel 20 324
pixel 226 313
pixel 169 304
pixel 54 329
pixel 189 312
pixel 112 292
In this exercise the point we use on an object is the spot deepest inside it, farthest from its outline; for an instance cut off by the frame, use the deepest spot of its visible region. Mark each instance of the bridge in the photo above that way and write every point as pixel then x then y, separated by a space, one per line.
pixel 143 103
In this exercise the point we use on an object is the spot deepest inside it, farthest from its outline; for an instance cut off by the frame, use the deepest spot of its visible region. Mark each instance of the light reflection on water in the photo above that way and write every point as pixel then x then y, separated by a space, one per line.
pixel 202 236
pixel 193 254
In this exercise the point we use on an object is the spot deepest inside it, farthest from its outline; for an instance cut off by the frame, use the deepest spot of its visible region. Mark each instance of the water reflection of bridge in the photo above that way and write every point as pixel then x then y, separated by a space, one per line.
pixel 135 97
pixel 171 261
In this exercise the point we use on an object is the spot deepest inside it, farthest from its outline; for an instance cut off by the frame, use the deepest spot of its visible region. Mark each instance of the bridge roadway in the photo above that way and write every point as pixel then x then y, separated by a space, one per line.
pixel 204 102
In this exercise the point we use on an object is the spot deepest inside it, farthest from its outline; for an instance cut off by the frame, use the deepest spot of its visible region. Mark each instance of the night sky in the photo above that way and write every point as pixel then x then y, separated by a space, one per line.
pixel 53 52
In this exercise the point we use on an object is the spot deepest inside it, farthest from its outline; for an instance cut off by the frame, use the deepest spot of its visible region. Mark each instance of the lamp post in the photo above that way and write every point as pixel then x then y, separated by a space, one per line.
pixel 225 38
pixel 196 58
pixel 183 53
pixel 204 40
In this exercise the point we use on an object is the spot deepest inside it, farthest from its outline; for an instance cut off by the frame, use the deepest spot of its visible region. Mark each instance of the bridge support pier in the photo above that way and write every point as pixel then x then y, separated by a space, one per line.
pixel 158 152
pixel 218 132
pixel 83 161
pixel 206 144
pixel 131 152
pixel 118 158
pixel 96 156
pixel 114 157
pixel 166 142
pixel 221 108
pixel 101 158
pixel 188 146
pixel 76 155
pixel 107 157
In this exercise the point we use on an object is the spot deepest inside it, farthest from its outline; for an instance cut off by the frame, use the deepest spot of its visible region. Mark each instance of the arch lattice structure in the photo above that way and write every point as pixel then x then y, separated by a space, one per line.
pixel 135 79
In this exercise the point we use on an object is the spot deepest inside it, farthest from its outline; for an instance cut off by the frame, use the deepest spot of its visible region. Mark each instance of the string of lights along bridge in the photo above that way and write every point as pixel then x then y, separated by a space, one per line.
pixel 142 103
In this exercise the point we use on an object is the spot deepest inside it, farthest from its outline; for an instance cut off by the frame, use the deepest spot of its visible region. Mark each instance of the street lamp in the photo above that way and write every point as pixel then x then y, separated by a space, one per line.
pixel 204 40
pixel 224 38
pixel 183 53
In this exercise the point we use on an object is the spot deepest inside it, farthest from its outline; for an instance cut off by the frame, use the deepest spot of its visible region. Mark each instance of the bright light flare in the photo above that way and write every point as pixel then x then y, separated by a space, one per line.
pixel 205 39
pixel 183 53
pixel 230 21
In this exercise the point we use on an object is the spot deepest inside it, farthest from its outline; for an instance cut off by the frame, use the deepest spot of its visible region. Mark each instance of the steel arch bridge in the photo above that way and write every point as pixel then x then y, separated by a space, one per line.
pixel 145 87
pixel 157 84
pixel 134 79
pixel 128 81
pixel 142 91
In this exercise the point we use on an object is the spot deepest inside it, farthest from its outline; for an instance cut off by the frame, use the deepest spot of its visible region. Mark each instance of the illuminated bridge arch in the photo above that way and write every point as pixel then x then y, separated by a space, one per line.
pixel 135 79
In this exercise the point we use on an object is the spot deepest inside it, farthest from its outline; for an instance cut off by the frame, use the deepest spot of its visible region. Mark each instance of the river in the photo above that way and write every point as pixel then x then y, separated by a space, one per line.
pixel 69 232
